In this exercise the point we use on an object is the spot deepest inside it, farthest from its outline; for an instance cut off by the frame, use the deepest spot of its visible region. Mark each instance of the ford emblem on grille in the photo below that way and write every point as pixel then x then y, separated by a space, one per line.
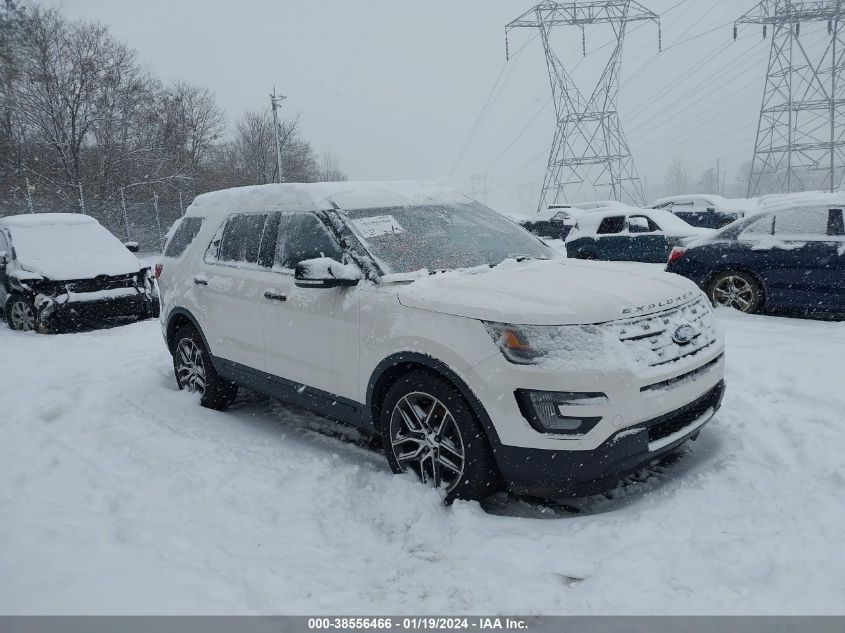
pixel 684 335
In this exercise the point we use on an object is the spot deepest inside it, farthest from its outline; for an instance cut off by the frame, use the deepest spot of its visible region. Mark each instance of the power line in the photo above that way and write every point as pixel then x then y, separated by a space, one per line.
pixel 488 103
pixel 724 80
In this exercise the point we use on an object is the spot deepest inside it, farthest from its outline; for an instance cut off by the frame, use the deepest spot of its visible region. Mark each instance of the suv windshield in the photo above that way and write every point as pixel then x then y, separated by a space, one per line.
pixel 442 237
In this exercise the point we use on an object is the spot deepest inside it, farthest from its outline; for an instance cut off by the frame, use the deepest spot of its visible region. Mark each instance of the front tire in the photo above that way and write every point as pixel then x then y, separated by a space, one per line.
pixel 21 314
pixel 195 372
pixel 736 289
pixel 428 428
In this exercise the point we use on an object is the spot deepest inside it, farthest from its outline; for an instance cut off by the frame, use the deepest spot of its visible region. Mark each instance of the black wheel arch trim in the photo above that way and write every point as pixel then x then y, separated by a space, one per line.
pixel 187 314
pixel 440 368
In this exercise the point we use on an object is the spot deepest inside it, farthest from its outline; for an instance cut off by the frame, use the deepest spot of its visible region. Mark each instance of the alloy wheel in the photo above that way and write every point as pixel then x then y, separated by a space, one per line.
pixel 190 368
pixel 426 439
pixel 22 316
pixel 734 292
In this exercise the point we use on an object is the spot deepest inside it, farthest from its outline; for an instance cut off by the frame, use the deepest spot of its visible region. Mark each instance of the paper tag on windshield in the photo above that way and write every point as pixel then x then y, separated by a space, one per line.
pixel 378 225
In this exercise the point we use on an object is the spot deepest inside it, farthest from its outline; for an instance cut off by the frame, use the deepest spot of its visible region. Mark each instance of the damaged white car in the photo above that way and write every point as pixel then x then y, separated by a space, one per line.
pixel 64 269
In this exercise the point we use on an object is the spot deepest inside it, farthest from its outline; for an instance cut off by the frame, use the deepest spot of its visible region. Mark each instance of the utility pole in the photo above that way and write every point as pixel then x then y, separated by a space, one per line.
pixel 718 176
pixel 589 148
pixel 275 104
pixel 800 142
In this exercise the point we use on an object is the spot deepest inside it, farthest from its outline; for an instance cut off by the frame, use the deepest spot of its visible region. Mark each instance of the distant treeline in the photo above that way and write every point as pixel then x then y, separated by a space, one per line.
pixel 84 124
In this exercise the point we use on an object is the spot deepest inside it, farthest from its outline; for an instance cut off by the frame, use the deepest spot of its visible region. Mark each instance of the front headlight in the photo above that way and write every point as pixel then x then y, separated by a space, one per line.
pixel 567 346
pixel 524 344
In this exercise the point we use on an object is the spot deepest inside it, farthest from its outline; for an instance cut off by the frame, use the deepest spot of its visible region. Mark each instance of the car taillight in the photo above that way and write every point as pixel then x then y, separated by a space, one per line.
pixel 676 254
pixel 158 270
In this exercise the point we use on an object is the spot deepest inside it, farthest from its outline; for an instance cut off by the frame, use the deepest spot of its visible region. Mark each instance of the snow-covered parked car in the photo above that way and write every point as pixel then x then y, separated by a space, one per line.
pixel 708 211
pixel 629 234
pixel 58 269
pixel 481 357
pixel 788 257
pixel 555 222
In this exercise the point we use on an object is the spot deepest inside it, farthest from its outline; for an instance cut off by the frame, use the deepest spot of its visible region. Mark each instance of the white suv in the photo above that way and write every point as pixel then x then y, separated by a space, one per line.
pixel 480 356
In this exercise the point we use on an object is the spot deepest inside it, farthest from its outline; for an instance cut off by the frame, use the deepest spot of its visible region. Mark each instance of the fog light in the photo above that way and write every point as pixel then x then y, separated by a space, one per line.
pixel 544 411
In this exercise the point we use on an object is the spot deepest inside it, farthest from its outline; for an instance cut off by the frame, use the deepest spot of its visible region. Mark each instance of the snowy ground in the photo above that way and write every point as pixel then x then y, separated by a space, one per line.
pixel 119 494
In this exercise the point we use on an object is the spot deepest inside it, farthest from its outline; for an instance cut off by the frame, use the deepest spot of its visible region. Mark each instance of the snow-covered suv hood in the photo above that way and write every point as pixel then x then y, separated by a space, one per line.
pixel 558 292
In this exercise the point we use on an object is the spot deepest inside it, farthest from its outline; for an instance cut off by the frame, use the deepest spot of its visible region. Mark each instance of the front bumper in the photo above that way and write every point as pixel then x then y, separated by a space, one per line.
pixel 95 306
pixel 557 474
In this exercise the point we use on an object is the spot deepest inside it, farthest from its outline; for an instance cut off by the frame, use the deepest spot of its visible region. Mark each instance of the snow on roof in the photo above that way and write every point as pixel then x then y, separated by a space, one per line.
pixel 712 197
pixel 323 195
pixel 47 219
pixel 782 202
pixel 548 214
pixel 600 204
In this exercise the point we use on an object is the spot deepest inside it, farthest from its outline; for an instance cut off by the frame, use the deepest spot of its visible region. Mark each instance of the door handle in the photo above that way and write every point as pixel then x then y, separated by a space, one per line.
pixel 200 281
pixel 274 295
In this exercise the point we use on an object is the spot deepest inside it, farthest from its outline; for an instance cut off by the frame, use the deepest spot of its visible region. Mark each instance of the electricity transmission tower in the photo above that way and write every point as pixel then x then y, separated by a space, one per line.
pixel 589 148
pixel 800 142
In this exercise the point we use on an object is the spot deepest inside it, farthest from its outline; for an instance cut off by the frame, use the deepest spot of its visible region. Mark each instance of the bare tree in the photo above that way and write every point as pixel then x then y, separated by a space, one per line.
pixel 251 154
pixel 677 178
pixel 330 170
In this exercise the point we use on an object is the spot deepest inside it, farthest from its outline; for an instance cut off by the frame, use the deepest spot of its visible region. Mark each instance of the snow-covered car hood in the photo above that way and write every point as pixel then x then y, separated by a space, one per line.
pixel 558 292
pixel 82 266
pixel 67 246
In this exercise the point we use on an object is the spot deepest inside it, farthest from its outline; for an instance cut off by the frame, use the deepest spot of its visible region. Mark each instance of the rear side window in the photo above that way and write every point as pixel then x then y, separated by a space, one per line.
pixel 836 223
pixel 762 226
pixel 182 238
pixel 302 236
pixel 802 222
pixel 641 224
pixel 612 225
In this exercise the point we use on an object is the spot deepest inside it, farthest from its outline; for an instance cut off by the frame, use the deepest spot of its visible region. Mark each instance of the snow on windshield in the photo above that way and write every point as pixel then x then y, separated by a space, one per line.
pixel 442 237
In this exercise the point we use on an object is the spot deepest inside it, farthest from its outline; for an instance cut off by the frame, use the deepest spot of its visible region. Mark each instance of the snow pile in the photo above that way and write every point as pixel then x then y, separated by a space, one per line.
pixel 120 494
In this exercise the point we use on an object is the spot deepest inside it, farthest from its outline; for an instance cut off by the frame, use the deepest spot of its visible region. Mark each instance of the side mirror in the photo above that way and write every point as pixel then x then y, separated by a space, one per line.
pixel 324 272
pixel 132 247
pixel 4 258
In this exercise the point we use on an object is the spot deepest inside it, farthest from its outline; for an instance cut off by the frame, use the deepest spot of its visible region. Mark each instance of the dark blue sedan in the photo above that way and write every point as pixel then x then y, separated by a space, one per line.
pixel 783 259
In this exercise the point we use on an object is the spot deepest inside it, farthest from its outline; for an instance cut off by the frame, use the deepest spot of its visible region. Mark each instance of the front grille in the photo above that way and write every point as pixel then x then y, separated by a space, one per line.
pixel 690 375
pixel 670 423
pixel 103 282
pixel 650 338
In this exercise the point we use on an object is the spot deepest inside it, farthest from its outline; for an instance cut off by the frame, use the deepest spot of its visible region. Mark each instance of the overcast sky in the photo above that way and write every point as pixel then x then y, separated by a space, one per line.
pixel 393 88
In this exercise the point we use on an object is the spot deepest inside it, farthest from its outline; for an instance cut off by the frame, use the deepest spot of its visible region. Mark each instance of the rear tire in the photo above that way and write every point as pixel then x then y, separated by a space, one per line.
pixel 736 289
pixel 428 428
pixel 20 312
pixel 195 372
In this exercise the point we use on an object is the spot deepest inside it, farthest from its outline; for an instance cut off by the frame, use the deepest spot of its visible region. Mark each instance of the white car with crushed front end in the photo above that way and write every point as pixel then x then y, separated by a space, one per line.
pixel 482 358
pixel 65 269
